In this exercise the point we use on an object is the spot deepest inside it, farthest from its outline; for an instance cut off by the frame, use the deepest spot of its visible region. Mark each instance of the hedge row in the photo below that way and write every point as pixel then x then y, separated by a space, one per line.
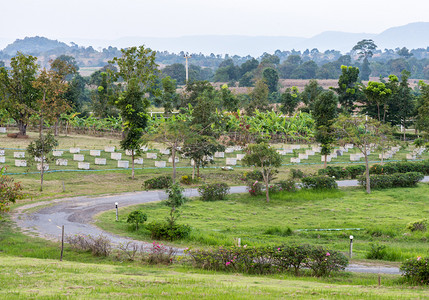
pixel 392 180
pixel 401 167
pixel 319 183
pixel 269 260
pixel 343 173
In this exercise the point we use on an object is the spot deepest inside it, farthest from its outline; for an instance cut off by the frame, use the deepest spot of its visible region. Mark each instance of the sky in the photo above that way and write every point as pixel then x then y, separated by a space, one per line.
pixel 112 19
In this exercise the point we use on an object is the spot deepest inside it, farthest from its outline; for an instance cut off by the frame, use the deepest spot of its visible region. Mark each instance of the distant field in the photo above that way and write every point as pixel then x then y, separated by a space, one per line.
pixel 87 71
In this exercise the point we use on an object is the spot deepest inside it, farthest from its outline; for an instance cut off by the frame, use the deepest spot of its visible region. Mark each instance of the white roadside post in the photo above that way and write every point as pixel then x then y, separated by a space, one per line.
pixel 351 246
pixel 116 205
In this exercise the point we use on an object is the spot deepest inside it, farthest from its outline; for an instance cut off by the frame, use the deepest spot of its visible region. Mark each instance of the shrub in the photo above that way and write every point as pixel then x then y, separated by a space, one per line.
pixel 252 176
pixel 160 182
pixel 270 260
pixel 377 251
pixel 287 185
pixel 416 270
pixel 129 249
pixel 213 192
pixel 167 231
pixel 186 180
pixel 400 167
pixel 336 172
pixel 255 188
pixel 355 170
pixel 319 183
pixel 158 254
pixel 420 225
pixel 323 261
pixel 393 180
pixel 99 246
pixel 137 217
pixel 297 174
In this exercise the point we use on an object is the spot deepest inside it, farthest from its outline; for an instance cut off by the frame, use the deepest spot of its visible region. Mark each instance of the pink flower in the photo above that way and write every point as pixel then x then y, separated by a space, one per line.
pixel 255 183
pixel 419 258
pixel 245 246
pixel 227 263
pixel 278 249
pixel 328 254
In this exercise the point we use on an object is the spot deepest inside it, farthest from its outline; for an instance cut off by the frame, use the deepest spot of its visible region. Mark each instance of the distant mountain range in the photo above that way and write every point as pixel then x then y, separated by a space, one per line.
pixel 413 35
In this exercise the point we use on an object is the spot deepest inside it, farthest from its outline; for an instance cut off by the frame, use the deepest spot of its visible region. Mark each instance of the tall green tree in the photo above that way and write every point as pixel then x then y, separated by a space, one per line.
pixel 258 98
pixel 168 98
pixel 138 70
pixel 348 88
pixel 266 159
pixel 325 114
pixel 103 98
pixel 365 48
pixel 377 93
pixel 310 93
pixel 18 94
pixel 271 78
pixel 290 100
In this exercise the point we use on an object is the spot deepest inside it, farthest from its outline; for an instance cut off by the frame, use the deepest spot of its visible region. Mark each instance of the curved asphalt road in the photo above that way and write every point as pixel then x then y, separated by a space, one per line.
pixel 76 214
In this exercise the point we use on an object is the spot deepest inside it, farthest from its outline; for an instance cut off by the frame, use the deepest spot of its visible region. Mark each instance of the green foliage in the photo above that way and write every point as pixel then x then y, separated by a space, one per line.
pixel 348 90
pixel 175 200
pixel 290 100
pixel 271 78
pixel 258 98
pixel 168 231
pixel 297 174
pixel 10 191
pixel 420 225
pixel 270 260
pixel 160 182
pixel 137 217
pixel 355 170
pixel 409 179
pixel 42 147
pixel 213 192
pixel 319 183
pixel 381 252
pixel 276 230
pixel 288 185
pixel 400 167
pixel 416 270
pixel 335 172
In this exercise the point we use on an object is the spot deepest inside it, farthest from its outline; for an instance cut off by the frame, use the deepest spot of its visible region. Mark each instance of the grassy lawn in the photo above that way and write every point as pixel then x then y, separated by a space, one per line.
pixel 29 268
pixel 383 216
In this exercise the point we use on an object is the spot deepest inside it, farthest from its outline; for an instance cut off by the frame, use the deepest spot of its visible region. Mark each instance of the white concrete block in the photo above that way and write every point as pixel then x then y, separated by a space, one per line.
pixel 302 156
pixel 170 159
pixel 20 163
pixel 355 157
pixel 74 150
pixel 45 167
pixel 138 161
pixel 38 159
pixel 295 147
pixel 130 152
pixel 123 164
pixel 18 154
pixel 229 150
pixel 144 148
pixel 160 164
pixel 295 160
pixel 116 155
pixel 57 153
pixel 1 152
pixel 100 161
pixel 317 149
pixel 240 156
pixel 231 161
pixel 219 154
pixel 2 129
pixel 78 157
pixel 95 152
pixel 109 149
pixel 2 159
pixel 83 165
pixel 309 152
pixel 61 162
pixel 410 156
pixel 164 151
pixel 151 155
pixel 328 158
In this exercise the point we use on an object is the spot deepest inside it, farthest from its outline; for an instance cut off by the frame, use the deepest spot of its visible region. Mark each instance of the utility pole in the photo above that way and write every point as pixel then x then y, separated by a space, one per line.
pixel 186 56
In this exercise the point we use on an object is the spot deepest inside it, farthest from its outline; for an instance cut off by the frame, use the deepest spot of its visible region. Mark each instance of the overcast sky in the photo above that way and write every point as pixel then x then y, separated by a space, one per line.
pixel 109 19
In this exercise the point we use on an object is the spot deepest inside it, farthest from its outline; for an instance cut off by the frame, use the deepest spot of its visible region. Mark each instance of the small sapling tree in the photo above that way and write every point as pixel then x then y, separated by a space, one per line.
pixel 175 200
pixel 41 149
pixel 137 217
pixel 266 159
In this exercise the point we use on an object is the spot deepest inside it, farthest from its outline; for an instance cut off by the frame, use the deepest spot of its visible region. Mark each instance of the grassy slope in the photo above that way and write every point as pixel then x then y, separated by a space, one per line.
pixel 384 215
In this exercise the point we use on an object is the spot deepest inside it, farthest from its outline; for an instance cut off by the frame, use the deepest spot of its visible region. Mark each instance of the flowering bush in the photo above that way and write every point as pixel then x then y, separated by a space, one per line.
pixel 270 260
pixel 287 185
pixel 255 188
pixel 213 192
pixel 416 270
pixel 158 254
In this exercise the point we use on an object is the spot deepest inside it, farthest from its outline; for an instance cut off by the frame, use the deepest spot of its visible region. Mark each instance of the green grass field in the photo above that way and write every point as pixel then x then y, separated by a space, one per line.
pixel 383 216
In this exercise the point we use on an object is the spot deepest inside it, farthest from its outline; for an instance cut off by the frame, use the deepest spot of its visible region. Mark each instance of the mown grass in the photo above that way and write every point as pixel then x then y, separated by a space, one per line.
pixel 26 278
pixel 383 216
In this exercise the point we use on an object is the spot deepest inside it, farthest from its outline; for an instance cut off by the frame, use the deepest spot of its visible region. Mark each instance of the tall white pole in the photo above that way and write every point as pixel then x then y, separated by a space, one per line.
pixel 186 65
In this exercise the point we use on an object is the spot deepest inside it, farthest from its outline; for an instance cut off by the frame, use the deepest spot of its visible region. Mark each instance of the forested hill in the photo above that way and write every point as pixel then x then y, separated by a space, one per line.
pixel 35 46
